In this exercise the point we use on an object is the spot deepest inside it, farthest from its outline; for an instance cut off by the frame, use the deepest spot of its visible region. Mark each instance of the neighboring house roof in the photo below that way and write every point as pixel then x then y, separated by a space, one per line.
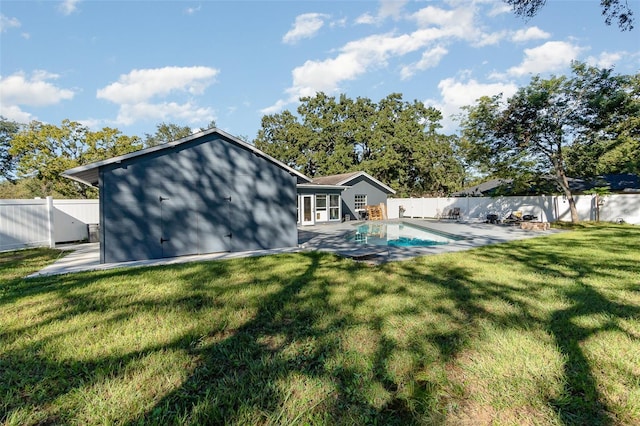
pixel 619 182
pixel 344 179
pixel 627 183
pixel 484 188
pixel 88 174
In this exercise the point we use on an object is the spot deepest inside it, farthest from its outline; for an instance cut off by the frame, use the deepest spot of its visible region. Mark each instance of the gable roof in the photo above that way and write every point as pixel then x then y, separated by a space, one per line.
pixel 88 173
pixel 344 179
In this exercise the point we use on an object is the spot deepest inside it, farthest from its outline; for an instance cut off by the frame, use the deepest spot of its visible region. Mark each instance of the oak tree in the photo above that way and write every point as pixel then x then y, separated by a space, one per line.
pixel 395 141
pixel 44 151
pixel 530 133
pixel 8 129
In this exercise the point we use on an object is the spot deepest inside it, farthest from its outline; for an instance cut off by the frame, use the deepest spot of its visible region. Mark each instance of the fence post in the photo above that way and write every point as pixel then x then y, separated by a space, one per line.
pixel 52 236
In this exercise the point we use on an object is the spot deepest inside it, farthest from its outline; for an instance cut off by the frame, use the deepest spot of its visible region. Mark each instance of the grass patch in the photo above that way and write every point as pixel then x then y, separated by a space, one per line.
pixel 539 331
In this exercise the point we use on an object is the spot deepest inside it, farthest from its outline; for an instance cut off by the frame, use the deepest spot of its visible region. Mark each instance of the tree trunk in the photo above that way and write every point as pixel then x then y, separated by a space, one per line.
pixel 564 184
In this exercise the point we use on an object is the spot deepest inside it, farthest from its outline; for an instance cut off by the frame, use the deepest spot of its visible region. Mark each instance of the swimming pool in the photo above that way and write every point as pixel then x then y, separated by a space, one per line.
pixel 399 234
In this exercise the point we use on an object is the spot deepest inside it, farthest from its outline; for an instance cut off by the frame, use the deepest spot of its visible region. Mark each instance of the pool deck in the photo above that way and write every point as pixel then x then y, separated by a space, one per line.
pixel 332 239
pixel 325 238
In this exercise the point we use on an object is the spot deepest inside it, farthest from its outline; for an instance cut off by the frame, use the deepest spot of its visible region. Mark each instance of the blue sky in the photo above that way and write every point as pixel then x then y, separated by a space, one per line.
pixel 134 64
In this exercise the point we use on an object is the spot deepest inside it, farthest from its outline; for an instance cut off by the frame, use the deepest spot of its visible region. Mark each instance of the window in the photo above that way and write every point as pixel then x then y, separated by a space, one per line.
pixel 360 201
pixel 334 207
pixel 321 208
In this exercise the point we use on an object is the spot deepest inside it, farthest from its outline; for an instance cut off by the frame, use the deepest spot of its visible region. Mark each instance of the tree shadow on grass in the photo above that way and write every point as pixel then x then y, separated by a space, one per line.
pixel 303 351
pixel 246 376
pixel 581 401
pixel 287 361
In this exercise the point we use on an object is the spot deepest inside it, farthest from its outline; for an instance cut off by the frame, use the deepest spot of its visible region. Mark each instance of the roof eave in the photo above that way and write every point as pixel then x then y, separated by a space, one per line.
pixel 370 177
pixel 77 179
pixel 320 186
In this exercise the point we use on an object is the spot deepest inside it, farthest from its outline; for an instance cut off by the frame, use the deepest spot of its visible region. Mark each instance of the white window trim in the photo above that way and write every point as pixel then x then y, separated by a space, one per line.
pixel 339 207
pixel 355 202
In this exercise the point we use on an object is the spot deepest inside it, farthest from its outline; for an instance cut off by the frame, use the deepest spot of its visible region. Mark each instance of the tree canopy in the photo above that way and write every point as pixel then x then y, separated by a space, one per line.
pixel 44 151
pixel 395 141
pixel 166 133
pixel 169 132
pixel 530 134
pixel 612 10
pixel 8 130
pixel 616 148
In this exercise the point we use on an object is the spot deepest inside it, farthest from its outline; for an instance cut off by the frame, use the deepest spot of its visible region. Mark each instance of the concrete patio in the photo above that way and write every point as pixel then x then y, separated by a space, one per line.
pixel 326 238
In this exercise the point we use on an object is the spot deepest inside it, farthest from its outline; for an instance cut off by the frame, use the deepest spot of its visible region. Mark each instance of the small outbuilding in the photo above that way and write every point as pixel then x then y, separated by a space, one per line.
pixel 209 192
pixel 339 197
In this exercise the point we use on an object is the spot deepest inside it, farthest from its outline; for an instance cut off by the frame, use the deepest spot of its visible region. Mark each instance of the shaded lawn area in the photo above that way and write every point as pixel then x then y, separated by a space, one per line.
pixel 540 331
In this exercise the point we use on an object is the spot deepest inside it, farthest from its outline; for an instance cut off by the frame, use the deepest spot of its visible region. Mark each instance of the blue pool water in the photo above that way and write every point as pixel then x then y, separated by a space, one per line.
pixel 399 234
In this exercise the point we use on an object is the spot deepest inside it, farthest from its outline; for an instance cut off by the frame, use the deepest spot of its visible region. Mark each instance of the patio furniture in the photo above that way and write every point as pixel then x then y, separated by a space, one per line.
pixel 514 217
pixel 493 218
pixel 456 213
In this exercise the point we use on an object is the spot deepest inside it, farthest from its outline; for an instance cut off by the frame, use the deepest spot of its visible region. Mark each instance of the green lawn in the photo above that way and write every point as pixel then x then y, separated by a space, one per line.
pixel 541 331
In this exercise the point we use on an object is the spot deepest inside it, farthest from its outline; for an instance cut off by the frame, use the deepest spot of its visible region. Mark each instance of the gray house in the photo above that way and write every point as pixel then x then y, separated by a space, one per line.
pixel 208 192
pixel 351 191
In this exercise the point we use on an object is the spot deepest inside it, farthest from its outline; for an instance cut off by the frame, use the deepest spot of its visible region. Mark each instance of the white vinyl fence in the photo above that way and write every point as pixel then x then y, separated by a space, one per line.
pixel 45 222
pixel 613 208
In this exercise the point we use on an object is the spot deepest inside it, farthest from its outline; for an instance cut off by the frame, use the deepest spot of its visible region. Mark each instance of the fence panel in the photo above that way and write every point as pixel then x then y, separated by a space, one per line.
pixel 548 208
pixel 71 218
pixel 25 223
pixel 45 222
pixel 621 207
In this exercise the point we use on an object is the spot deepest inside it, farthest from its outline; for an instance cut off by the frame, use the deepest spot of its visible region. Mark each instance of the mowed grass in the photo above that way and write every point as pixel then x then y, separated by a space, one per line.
pixel 542 331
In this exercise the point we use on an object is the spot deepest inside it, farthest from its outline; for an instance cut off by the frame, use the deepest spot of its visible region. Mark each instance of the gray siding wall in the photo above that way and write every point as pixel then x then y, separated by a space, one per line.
pixel 361 185
pixel 204 196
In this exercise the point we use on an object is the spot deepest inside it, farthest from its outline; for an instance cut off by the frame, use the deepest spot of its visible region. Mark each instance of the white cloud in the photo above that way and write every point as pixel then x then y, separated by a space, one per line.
pixel 391 8
pixel 459 23
pixel 499 8
pixel 193 10
pixel 19 90
pixel 134 91
pixel 342 22
pixel 6 23
pixel 164 111
pixel 306 26
pixel 277 107
pixel 531 33
pixel 487 39
pixel 140 85
pixel 605 59
pixel 459 94
pixel 430 58
pixel 14 113
pixel 455 94
pixel 361 56
pixel 355 58
pixel 67 7
pixel 388 9
pixel 366 19
pixel 454 22
pixel 551 56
